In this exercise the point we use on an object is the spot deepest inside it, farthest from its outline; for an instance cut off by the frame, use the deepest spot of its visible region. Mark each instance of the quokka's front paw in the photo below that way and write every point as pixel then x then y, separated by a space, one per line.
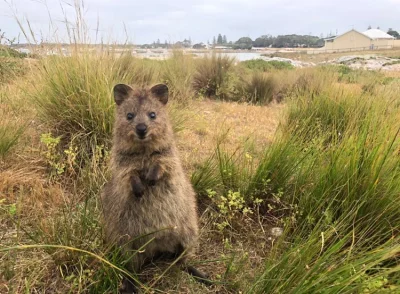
pixel 137 186
pixel 153 175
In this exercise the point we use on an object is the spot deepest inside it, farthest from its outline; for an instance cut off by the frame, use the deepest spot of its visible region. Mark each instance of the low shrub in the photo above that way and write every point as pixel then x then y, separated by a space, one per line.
pixel 266 66
pixel 10 68
pixel 213 76
pixel 260 88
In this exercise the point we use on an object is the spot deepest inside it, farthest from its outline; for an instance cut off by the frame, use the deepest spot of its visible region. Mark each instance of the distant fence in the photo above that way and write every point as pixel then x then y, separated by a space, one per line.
pixel 322 50
pixel 396 43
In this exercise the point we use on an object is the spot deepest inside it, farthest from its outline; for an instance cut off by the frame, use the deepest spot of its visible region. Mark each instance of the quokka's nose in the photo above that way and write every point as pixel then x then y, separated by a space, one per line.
pixel 141 129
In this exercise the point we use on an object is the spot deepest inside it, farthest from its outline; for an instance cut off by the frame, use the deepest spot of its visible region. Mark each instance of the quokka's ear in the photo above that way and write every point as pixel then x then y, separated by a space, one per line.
pixel 160 91
pixel 121 92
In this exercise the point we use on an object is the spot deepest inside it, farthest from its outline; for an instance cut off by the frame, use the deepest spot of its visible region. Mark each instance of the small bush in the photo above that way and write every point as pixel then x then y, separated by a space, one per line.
pixel 266 66
pixel 260 88
pixel 10 68
pixel 213 74
pixel 391 63
pixel 358 76
pixel 9 52
pixel 73 97
pixel 73 94
pixel 311 81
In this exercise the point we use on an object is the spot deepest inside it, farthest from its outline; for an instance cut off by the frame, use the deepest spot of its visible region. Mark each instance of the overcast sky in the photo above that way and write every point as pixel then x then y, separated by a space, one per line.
pixel 174 20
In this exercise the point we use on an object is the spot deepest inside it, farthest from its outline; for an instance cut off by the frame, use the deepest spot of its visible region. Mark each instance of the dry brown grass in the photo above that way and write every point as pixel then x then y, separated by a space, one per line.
pixel 31 189
pixel 207 119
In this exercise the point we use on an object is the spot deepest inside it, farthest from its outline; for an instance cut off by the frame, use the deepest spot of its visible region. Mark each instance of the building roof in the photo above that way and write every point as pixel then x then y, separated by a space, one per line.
pixel 352 30
pixel 377 34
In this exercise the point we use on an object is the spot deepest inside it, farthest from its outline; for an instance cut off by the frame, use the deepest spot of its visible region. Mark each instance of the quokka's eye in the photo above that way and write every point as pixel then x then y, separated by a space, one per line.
pixel 152 115
pixel 130 116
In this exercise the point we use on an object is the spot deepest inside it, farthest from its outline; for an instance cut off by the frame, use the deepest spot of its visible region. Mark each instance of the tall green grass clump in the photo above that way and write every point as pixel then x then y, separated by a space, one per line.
pixel 226 169
pixel 341 234
pixel 331 180
pixel 11 129
pixel 177 73
pixel 135 71
pixel 259 88
pixel 73 97
pixel 10 133
pixel 214 75
pixel 73 94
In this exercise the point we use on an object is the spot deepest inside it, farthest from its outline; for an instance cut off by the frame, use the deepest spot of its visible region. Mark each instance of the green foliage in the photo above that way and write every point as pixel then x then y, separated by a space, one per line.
pixel 357 76
pixel 204 176
pixel 332 179
pixel 243 43
pixel 297 41
pixel 311 121
pixel 259 89
pixel 392 63
pixel 213 75
pixel 10 132
pixel 344 179
pixel 11 209
pixel 11 127
pixel 394 34
pixel 10 68
pixel 266 66
pixel 219 39
pixel 311 82
pixel 291 41
pixel 6 51
pixel 177 73
pixel 229 207
pixel 51 154
pixel 224 170
pixel 263 41
pixel 133 71
pixel 73 101
pixel 78 105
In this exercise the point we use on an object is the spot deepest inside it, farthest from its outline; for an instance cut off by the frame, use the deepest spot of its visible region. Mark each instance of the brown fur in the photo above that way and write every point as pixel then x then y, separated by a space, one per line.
pixel 148 192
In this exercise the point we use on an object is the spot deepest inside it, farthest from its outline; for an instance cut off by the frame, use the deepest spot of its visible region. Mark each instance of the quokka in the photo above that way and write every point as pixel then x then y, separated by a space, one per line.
pixel 149 204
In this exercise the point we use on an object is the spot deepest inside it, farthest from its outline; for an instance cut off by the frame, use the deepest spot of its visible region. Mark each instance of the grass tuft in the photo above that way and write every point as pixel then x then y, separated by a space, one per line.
pixel 213 75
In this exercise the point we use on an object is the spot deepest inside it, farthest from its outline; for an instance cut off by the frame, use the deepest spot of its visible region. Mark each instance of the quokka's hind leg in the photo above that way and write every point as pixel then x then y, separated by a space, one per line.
pixel 191 270
pixel 198 275
pixel 129 286
pixel 135 266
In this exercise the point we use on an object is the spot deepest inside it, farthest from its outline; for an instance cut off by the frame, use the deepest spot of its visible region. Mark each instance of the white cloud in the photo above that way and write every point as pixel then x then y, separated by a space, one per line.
pixel 207 8
pixel 149 20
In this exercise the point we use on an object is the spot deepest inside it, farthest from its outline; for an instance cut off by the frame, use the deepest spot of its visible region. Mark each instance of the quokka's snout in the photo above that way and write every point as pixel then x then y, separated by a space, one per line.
pixel 141 130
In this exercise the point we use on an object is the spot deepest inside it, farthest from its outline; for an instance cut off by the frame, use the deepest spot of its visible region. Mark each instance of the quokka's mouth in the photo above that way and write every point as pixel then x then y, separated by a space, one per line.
pixel 140 138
